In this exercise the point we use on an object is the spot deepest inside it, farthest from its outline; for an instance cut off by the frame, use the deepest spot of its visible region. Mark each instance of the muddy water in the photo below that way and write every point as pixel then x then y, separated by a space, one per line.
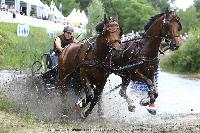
pixel 177 103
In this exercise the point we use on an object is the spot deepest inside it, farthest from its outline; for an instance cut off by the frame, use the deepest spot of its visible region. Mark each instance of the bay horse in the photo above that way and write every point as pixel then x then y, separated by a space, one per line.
pixel 87 60
pixel 144 54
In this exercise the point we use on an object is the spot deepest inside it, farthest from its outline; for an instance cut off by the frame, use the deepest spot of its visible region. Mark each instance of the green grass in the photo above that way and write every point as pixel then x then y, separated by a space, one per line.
pixel 20 52
pixel 13 121
pixel 5 105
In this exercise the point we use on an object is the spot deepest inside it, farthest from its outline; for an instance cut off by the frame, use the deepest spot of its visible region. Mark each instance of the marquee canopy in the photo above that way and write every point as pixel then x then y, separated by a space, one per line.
pixel 34 2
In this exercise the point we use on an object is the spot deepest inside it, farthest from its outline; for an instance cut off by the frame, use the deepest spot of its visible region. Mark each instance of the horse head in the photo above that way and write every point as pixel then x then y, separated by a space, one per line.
pixel 112 32
pixel 171 26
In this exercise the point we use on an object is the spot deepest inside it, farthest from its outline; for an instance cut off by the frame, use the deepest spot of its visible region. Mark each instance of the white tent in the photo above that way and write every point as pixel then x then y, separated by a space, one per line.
pixel 46 11
pixel 84 18
pixel 2 2
pixel 54 13
pixel 34 2
pixel 35 5
pixel 77 18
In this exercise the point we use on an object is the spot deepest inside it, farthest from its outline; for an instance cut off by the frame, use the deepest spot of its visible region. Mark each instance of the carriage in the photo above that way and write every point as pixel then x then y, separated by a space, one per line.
pixel 45 68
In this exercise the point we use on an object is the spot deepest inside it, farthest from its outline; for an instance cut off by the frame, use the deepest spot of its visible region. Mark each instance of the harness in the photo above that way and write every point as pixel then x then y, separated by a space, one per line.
pixel 65 42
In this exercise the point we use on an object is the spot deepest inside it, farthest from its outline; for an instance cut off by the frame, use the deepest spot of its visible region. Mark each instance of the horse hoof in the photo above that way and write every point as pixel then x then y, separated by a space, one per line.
pixel 144 102
pixel 131 108
pixel 151 109
pixel 122 93
pixel 83 115
pixel 79 104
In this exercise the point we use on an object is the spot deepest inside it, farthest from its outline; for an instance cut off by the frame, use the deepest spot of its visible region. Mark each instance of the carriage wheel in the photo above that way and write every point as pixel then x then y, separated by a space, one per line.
pixel 45 62
pixel 35 69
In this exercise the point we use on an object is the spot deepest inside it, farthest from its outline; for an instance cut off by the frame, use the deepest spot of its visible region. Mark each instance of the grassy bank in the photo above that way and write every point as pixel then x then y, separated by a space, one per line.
pixel 20 52
pixel 12 121
pixel 186 59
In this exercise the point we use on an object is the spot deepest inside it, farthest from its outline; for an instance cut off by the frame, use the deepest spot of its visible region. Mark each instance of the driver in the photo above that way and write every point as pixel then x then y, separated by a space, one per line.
pixel 60 42
pixel 65 39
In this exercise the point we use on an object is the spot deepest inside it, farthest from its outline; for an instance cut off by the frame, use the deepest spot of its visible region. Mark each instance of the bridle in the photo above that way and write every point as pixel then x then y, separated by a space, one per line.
pixel 110 28
pixel 170 40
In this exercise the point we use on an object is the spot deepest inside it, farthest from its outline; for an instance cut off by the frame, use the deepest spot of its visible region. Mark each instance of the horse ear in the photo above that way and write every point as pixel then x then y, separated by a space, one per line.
pixel 110 18
pixel 121 31
pixel 167 10
pixel 105 19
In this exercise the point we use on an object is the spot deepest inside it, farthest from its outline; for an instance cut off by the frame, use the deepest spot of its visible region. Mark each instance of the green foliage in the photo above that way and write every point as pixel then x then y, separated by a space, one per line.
pixel 162 4
pixel 133 14
pixel 189 19
pixel 186 59
pixel 84 4
pixel 68 5
pixel 197 5
pixel 95 15
pixel 109 8
pixel 20 52
pixel 30 119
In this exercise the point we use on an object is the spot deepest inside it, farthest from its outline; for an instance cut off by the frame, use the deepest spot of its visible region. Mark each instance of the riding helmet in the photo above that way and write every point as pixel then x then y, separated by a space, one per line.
pixel 68 29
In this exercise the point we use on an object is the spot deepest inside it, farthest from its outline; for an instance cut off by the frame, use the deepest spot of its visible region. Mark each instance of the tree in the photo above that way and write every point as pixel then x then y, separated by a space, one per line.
pixel 95 15
pixel 109 8
pixel 68 5
pixel 84 4
pixel 197 5
pixel 133 14
pixel 189 19
pixel 162 4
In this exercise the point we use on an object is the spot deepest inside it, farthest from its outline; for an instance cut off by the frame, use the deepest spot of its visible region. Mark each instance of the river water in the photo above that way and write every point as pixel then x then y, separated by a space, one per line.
pixel 177 95
pixel 178 99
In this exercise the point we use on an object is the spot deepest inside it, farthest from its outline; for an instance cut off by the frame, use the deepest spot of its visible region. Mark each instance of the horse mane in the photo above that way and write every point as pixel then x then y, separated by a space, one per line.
pixel 151 20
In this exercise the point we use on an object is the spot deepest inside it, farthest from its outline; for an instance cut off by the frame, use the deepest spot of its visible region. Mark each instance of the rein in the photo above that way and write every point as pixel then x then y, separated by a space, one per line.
pixel 145 36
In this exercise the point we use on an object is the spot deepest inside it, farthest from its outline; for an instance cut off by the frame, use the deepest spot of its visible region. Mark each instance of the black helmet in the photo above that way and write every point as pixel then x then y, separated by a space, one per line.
pixel 68 29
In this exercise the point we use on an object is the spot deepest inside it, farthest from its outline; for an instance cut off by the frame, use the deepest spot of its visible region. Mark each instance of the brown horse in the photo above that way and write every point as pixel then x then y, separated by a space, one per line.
pixel 143 56
pixel 88 61
pixel 164 46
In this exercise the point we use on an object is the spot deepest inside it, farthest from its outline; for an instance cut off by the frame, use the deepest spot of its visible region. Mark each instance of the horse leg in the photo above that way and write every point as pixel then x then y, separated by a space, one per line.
pixel 62 84
pixel 100 110
pixel 152 94
pixel 95 100
pixel 76 84
pixel 88 91
pixel 122 92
